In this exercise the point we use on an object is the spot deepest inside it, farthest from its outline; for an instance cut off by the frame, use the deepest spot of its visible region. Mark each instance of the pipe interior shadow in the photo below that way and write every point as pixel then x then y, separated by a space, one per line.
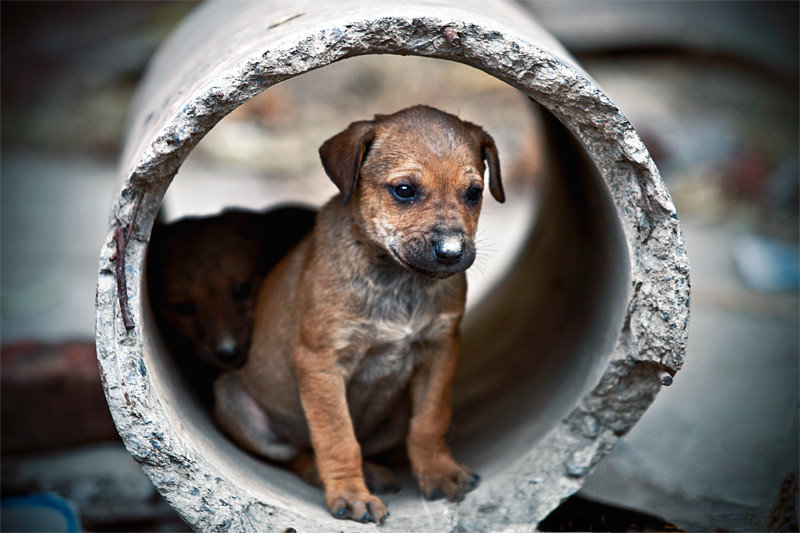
pixel 543 337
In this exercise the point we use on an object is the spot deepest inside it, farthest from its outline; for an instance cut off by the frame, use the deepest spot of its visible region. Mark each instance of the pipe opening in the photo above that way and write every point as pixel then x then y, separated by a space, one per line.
pixel 546 300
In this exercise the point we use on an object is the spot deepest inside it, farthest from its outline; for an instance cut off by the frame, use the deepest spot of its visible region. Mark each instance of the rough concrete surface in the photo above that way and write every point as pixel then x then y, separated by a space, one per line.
pixel 222 57
pixel 745 372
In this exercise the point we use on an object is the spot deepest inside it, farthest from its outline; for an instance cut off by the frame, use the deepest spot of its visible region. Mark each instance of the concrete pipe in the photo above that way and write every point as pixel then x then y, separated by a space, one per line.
pixel 560 358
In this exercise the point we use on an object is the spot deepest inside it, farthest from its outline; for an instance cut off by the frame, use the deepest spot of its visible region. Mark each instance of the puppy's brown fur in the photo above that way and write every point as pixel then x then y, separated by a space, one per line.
pixel 356 331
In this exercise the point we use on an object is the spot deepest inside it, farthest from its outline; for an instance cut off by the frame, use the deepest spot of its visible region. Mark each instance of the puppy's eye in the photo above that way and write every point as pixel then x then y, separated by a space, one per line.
pixel 241 291
pixel 474 194
pixel 404 192
pixel 185 308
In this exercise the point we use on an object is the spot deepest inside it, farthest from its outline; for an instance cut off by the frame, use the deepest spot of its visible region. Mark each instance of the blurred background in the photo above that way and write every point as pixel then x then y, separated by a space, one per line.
pixel 712 88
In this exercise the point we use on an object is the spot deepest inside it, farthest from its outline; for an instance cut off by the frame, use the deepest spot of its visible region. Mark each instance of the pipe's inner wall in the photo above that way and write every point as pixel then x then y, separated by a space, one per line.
pixel 552 295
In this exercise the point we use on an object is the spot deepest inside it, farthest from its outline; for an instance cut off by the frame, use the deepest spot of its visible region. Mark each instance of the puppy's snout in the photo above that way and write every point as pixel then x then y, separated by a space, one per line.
pixel 448 249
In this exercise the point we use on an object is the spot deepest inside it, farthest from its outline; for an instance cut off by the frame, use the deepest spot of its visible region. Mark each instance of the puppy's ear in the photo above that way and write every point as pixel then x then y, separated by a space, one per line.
pixel 343 153
pixel 489 154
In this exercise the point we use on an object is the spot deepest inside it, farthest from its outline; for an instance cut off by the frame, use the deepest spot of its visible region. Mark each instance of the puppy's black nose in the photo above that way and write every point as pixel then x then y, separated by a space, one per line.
pixel 448 249
pixel 228 353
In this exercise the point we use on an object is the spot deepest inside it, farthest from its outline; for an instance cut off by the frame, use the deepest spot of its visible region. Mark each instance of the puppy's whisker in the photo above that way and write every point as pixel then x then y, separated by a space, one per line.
pixel 487 249
pixel 484 259
pixel 476 275
pixel 478 268
pixel 483 240
pixel 485 254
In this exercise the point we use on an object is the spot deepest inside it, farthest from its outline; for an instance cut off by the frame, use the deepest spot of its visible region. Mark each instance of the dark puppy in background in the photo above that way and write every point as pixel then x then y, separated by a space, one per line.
pixel 356 333
pixel 204 274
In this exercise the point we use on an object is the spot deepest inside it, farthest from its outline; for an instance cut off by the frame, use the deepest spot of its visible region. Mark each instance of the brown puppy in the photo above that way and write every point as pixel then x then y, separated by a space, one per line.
pixel 356 331
pixel 203 277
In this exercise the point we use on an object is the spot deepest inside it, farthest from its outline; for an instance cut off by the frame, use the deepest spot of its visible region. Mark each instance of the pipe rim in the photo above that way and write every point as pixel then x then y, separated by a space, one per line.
pixel 650 227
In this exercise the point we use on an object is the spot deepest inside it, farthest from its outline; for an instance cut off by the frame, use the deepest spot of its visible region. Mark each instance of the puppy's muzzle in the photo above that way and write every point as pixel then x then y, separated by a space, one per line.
pixel 438 254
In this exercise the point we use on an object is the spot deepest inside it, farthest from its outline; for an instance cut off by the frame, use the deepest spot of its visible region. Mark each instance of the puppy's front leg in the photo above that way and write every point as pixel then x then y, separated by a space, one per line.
pixel 437 473
pixel 338 455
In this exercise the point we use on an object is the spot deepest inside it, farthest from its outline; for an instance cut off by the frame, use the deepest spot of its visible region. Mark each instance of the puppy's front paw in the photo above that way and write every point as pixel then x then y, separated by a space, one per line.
pixel 447 479
pixel 354 503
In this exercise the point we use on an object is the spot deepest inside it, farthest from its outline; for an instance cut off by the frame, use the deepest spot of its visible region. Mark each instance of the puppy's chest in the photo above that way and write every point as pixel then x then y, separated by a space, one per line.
pixel 387 349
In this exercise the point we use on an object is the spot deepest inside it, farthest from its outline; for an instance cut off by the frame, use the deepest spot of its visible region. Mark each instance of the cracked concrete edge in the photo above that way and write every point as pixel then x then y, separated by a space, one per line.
pixel 653 338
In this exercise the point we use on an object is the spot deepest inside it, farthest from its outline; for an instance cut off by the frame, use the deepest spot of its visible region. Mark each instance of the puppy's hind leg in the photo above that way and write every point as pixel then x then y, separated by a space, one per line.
pixel 243 420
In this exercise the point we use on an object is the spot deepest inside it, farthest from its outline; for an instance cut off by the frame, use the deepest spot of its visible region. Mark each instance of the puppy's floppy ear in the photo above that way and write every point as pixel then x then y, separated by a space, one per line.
pixel 343 153
pixel 489 154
